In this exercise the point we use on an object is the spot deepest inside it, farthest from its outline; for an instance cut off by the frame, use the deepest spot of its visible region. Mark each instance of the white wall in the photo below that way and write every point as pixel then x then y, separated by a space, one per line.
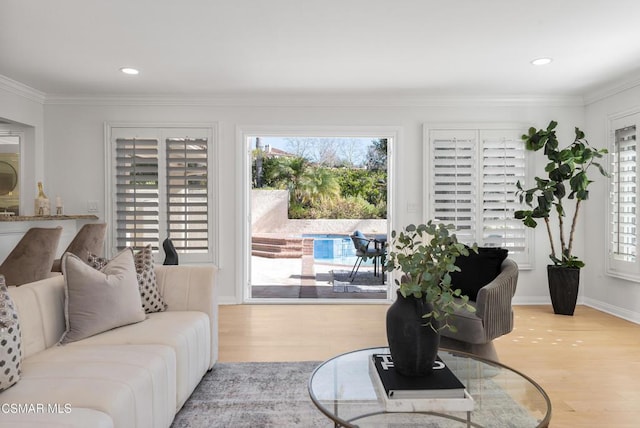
pixel 75 152
pixel 604 292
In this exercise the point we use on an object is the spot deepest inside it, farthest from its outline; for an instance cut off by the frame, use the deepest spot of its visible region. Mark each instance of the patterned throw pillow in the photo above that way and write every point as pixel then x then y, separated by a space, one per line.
pixel 10 338
pixel 152 301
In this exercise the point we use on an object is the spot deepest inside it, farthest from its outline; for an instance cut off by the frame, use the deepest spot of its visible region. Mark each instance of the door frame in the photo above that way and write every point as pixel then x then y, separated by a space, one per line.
pixel 243 133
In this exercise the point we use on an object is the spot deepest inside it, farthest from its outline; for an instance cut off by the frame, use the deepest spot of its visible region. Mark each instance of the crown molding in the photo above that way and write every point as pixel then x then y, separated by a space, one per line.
pixel 21 89
pixel 316 100
pixel 611 90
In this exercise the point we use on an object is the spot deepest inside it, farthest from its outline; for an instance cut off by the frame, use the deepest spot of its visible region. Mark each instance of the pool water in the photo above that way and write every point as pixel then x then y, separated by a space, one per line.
pixel 334 249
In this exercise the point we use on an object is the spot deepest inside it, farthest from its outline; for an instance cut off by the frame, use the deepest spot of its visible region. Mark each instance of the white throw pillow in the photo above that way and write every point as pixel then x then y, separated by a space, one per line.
pixel 97 301
pixel 10 340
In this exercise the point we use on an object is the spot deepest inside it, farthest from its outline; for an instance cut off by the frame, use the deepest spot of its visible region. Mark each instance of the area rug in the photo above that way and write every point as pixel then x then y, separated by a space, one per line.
pixel 364 282
pixel 253 395
pixel 275 395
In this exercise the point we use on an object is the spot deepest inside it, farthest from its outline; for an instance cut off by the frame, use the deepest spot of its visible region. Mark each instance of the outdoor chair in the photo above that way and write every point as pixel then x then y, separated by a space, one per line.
pixel 367 248
pixel 32 257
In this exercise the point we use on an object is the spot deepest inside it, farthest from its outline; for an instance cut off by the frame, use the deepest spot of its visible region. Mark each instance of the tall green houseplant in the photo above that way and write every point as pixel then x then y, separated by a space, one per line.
pixel 567 178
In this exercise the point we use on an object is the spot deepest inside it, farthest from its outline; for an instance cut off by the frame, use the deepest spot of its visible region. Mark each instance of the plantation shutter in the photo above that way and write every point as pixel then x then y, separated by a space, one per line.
pixel 454 181
pixel 503 165
pixel 136 193
pixel 187 194
pixel 473 175
pixel 623 194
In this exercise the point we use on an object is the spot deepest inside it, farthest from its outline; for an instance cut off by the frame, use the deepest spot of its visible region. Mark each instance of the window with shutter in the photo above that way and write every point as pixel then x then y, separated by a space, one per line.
pixel 623 196
pixel 623 185
pixel 455 181
pixel 137 197
pixel 472 177
pixel 187 195
pixel 503 165
pixel 160 183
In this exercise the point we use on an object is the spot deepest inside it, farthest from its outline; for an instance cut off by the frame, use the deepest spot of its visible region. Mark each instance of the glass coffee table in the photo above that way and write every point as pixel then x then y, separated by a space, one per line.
pixel 343 390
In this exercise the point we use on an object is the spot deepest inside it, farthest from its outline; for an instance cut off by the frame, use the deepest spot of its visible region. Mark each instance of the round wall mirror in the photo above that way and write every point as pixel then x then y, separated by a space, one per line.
pixel 8 178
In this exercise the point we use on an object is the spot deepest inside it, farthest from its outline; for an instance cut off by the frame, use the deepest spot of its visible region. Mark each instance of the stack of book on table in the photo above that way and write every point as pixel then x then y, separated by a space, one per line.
pixel 439 391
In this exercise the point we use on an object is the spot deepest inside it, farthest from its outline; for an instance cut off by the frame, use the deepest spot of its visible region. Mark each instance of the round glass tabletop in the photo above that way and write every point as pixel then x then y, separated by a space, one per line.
pixel 342 389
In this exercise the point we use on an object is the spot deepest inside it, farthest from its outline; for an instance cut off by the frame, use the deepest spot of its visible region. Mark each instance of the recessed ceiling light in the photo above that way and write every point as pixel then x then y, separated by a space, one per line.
pixel 541 61
pixel 129 70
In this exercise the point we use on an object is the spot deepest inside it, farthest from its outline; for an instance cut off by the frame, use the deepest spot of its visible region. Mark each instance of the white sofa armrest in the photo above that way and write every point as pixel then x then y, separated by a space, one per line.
pixel 192 288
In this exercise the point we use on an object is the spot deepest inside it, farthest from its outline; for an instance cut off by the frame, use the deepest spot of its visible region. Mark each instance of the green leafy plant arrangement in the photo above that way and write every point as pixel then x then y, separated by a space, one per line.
pixel 426 256
pixel 566 178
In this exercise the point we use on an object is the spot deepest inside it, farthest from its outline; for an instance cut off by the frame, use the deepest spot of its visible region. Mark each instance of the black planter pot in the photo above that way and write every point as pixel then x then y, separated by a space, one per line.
pixel 413 345
pixel 563 288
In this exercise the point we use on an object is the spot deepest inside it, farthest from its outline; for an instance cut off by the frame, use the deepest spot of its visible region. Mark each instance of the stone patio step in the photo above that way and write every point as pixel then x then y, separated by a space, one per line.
pixel 276 247
pixel 277 255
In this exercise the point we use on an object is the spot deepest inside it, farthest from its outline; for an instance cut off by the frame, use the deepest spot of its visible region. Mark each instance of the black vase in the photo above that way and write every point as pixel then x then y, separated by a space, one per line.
pixel 563 288
pixel 412 342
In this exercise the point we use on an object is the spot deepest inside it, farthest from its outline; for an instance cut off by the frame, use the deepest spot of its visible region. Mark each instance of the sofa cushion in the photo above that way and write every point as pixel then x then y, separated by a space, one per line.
pixel 97 301
pixel 40 308
pixel 477 270
pixel 134 385
pixel 10 340
pixel 186 332
pixel 149 294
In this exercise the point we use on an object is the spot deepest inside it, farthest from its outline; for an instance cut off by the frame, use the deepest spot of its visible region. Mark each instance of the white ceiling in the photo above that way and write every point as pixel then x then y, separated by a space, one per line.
pixel 400 47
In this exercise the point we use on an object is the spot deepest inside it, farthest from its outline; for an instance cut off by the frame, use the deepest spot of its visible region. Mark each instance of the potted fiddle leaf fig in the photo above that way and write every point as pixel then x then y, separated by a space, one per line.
pixel 425 255
pixel 567 180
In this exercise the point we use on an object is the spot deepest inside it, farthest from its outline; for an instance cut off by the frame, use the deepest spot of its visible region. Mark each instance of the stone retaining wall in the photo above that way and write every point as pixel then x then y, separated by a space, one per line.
pixel 269 212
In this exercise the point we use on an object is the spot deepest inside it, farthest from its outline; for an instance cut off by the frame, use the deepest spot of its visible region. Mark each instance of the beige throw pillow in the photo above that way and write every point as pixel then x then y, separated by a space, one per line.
pixel 97 301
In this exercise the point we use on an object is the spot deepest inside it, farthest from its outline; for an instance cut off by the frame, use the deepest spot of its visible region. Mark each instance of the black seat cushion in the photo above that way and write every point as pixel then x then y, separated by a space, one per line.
pixel 477 270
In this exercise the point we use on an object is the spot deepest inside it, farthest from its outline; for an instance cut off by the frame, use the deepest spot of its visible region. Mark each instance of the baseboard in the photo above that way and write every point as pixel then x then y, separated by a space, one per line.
pixel 531 300
pixel 626 314
pixel 227 300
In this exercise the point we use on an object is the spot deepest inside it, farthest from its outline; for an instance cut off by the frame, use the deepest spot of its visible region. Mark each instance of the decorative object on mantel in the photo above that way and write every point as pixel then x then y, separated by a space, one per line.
pixel 42 205
pixel 566 172
pixel 426 255
pixel 59 205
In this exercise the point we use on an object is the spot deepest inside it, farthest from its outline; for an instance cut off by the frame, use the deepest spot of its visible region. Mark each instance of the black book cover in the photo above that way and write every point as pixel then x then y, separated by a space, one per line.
pixel 441 383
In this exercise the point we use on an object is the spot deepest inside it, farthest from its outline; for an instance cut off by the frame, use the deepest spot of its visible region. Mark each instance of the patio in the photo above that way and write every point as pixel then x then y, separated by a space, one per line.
pixel 282 261
pixel 304 278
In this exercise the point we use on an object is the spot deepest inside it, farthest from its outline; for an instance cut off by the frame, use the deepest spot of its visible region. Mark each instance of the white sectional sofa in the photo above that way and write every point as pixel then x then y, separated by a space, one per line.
pixel 138 375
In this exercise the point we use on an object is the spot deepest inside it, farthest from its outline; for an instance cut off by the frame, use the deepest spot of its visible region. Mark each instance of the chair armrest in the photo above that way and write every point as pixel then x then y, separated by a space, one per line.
pixel 191 288
pixel 493 304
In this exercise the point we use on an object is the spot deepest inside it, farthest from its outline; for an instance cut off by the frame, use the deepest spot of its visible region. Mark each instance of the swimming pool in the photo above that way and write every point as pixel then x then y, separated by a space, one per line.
pixel 334 249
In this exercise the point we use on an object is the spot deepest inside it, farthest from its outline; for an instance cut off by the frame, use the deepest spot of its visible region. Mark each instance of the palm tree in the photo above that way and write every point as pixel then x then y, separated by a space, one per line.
pixel 318 186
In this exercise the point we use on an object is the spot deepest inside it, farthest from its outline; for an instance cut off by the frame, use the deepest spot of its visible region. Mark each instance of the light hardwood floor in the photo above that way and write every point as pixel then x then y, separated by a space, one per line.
pixel 589 364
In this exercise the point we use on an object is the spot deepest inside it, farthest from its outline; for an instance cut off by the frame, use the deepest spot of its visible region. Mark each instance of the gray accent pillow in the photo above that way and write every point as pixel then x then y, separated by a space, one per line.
pixel 10 340
pixel 97 301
